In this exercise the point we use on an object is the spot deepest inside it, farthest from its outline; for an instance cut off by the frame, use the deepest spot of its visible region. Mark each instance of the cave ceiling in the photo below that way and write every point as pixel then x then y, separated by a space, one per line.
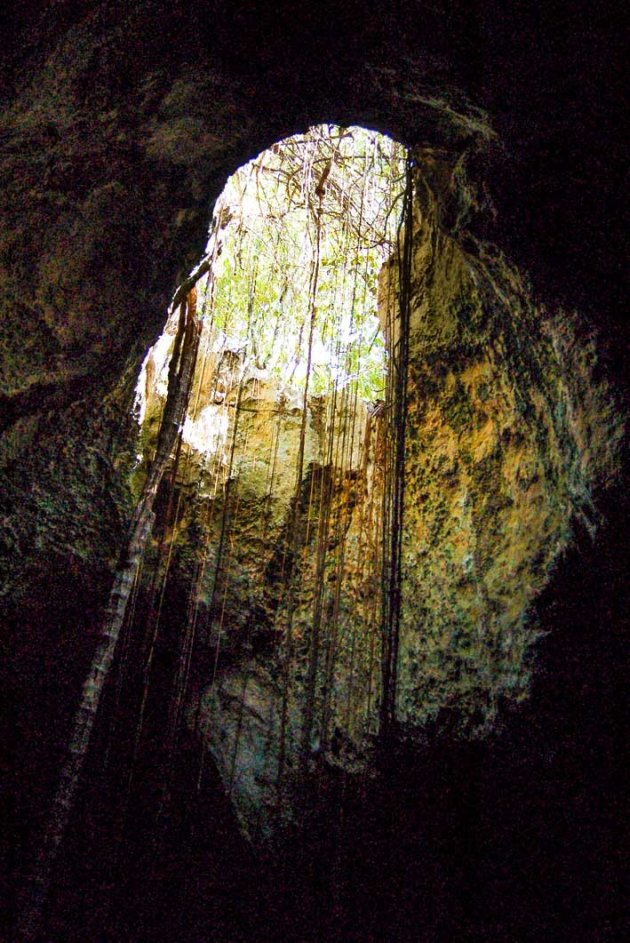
pixel 126 122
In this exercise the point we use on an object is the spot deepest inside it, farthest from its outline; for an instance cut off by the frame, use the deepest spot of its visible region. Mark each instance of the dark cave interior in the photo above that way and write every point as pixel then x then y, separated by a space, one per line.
pixel 120 127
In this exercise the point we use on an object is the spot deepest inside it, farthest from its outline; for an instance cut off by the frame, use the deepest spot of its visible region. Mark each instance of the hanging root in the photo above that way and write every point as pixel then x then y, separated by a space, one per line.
pixel 181 372
pixel 396 467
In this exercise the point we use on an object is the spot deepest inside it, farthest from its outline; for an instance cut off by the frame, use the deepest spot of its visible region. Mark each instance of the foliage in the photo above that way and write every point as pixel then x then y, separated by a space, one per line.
pixel 301 234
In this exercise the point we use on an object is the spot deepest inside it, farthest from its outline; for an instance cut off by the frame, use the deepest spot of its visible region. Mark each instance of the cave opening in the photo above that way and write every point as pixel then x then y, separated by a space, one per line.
pixel 263 564
pixel 282 522
pixel 281 642
pixel 496 813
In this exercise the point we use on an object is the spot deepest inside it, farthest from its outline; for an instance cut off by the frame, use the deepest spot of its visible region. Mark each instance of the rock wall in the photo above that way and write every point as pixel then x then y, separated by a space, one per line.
pixel 511 437
pixel 512 434
pixel 277 543
pixel 119 125
pixel 115 144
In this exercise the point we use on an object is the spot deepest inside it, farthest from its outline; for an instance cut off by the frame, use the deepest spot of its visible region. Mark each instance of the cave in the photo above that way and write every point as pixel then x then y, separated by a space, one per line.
pixel 452 769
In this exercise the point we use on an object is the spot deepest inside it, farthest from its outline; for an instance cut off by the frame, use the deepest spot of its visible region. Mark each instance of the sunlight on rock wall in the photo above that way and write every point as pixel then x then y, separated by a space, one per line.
pixel 278 540
pixel 509 436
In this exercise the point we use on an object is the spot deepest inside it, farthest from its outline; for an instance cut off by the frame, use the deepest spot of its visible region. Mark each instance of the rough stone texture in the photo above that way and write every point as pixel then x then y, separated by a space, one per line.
pixel 120 123
pixel 512 435
pixel 511 438
pixel 114 176
pixel 255 558
pixel 123 123
pixel 242 709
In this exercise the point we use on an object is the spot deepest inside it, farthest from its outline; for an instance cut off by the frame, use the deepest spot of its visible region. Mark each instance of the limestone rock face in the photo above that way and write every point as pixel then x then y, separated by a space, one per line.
pixel 510 437
pixel 119 124
pixel 114 146
pixel 503 398
pixel 278 545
